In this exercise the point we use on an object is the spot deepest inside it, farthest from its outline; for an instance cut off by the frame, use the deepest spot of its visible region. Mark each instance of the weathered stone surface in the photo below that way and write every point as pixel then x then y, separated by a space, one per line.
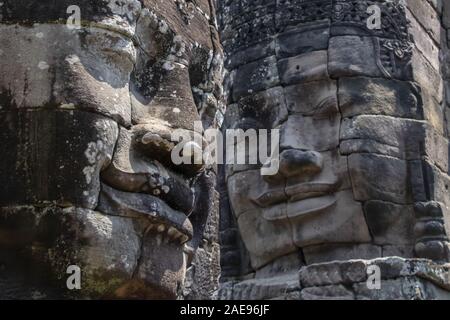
pixel 345 272
pixel 255 76
pixel 423 41
pixel 88 72
pixel 437 187
pixel 437 5
pixel 146 67
pixel 446 15
pixel 294 13
pixel 370 146
pixel 134 205
pixel 243 196
pixel 437 150
pixel 244 26
pixel 250 54
pixel 363 124
pixel 107 249
pixel 159 278
pixel 338 292
pixel 431 230
pixel 400 279
pixel 170 96
pixel 427 16
pixel 402 289
pixel 303 39
pixel 355 271
pixel 325 253
pixel 287 264
pixel 306 67
pixel 426 76
pixel 332 219
pixel 257 289
pixel 394 186
pixel 365 130
pixel 352 18
pixel 201 283
pixel 130 171
pixel 333 176
pixel 399 251
pixel 268 107
pixel 120 16
pixel 400 138
pixel 265 240
pixel 344 60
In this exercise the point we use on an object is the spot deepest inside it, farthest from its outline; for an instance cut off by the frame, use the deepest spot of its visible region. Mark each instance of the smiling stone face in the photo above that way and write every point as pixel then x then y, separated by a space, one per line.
pixel 361 125
pixel 309 202
pixel 86 117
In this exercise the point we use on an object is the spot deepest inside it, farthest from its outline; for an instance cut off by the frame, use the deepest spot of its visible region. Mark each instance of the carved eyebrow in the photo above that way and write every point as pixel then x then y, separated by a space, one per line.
pixel 325 106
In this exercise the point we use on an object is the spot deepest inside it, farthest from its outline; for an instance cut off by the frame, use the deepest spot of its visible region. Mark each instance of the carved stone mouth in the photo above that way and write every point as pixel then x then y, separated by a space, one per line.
pixel 165 221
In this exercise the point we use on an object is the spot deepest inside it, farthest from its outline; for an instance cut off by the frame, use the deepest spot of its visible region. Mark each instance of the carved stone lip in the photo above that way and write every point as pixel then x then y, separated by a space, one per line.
pixel 154 181
pixel 310 190
pixel 307 207
pixel 270 198
pixel 138 205
pixel 302 209
pixel 295 193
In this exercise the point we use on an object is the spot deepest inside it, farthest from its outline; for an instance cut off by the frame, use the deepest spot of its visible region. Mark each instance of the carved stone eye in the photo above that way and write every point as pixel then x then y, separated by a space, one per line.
pixel 326 108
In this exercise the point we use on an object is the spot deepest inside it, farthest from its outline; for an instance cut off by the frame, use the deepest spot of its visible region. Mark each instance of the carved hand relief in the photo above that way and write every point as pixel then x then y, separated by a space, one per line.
pixel 90 92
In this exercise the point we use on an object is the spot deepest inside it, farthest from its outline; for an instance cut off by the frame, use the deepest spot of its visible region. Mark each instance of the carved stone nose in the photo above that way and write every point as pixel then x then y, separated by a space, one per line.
pixel 298 162
pixel 295 162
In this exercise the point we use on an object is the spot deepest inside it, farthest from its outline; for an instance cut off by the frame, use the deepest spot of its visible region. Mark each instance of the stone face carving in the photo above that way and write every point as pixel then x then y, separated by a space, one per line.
pixel 86 118
pixel 402 279
pixel 364 152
